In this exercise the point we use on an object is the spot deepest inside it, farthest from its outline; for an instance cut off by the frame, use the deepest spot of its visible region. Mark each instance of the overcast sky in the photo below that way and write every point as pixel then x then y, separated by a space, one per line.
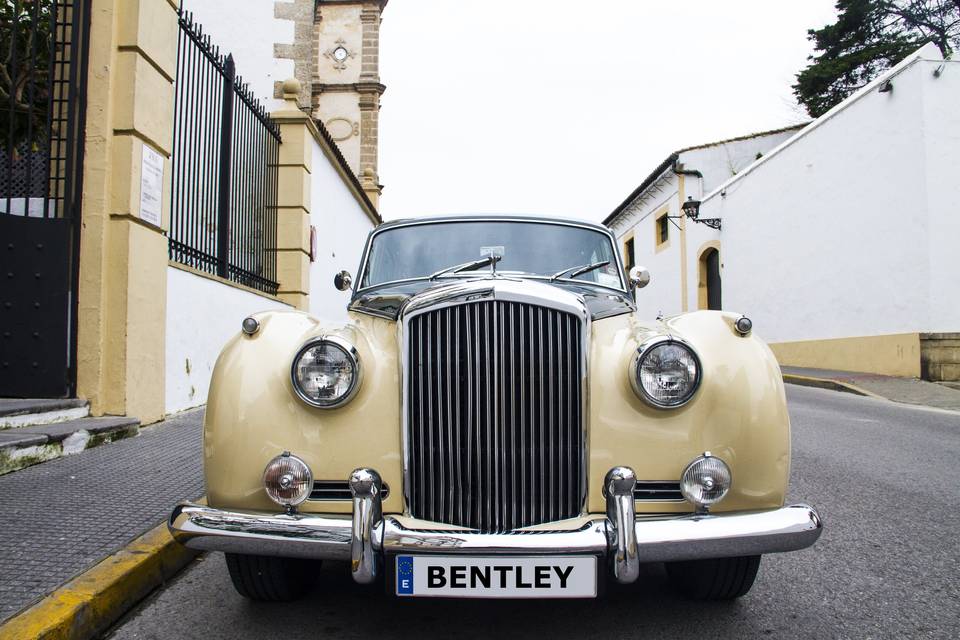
pixel 563 107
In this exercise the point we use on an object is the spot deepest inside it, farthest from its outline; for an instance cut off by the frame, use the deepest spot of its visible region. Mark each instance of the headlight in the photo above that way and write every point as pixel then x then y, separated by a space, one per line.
pixel 665 372
pixel 705 481
pixel 326 372
pixel 288 480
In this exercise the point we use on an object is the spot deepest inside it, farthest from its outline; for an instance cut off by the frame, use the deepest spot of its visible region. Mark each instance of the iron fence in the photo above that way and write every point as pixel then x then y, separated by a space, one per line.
pixel 225 147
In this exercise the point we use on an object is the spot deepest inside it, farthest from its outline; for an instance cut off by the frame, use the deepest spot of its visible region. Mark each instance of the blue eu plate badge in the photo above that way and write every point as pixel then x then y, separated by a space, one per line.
pixel 404 575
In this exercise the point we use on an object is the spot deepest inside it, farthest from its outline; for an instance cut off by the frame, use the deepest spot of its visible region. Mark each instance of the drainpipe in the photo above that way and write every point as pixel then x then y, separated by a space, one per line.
pixel 682 173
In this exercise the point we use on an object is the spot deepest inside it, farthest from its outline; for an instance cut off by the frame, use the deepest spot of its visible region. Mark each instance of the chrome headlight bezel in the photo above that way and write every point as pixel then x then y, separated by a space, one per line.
pixel 349 350
pixel 643 351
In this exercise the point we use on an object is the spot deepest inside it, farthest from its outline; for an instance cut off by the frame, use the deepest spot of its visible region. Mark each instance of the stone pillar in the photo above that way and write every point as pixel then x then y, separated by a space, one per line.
pixel 293 199
pixel 346 86
pixel 123 257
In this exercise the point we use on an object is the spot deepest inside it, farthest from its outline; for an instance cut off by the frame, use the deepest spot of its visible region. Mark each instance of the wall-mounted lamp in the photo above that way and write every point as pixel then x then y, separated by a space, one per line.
pixel 885 87
pixel 691 209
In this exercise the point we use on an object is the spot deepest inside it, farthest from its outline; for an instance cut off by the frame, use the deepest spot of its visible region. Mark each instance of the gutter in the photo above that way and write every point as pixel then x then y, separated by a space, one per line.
pixel 650 179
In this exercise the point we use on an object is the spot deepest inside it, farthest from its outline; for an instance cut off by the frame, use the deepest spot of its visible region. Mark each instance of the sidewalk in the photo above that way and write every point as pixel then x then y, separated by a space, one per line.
pixel 63 516
pixel 906 390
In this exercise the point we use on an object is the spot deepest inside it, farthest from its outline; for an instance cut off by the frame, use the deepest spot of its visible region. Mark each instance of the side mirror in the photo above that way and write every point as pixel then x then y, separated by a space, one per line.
pixel 639 277
pixel 343 280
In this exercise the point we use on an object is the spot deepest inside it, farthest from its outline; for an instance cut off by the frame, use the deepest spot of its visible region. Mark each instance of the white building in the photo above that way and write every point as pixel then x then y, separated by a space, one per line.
pixel 840 241
pixel 682 257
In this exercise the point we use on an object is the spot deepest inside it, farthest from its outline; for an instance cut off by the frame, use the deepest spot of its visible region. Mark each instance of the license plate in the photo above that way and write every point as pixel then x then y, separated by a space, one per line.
pixel 497 576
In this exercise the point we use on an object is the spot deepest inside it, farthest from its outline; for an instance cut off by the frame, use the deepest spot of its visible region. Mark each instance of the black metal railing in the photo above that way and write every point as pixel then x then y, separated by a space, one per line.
pixel 225 150
pixel 43 47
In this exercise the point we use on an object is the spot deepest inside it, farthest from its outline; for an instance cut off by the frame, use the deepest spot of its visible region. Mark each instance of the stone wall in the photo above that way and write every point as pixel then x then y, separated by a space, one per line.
pixel 940 357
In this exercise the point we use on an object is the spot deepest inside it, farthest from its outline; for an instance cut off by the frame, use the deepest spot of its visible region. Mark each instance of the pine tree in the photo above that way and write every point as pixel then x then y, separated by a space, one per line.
pixel 869 37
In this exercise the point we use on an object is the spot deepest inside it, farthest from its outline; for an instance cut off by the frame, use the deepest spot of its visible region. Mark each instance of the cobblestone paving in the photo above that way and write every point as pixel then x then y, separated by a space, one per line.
pixel 61 517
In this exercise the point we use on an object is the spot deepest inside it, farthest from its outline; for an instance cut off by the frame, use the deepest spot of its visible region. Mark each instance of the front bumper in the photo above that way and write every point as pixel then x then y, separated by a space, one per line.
pixel 624 539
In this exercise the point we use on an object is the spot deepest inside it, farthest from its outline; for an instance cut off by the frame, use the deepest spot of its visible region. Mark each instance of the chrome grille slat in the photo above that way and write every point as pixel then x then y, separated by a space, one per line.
pixel 494 415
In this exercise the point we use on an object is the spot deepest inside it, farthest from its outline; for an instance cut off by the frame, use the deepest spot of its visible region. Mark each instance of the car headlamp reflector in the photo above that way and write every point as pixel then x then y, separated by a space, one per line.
pixel 287 480
pixel 326 372
pixel 665 373
pixel 705 481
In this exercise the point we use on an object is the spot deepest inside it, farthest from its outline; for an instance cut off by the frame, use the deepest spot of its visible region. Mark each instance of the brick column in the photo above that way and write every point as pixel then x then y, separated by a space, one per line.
pixel 293 199
pixel 370 90
pixel 123 258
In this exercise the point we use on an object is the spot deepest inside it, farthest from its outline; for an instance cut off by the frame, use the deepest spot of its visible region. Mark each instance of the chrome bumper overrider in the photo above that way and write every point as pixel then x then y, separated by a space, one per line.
pixel 623 538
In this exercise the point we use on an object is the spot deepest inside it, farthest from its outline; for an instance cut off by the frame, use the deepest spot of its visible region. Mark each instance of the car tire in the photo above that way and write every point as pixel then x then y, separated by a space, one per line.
pixel 714 579
pixel 271 579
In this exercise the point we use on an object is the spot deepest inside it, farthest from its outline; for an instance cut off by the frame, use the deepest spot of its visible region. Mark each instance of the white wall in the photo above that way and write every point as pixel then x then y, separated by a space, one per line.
pixel 248 30
pixel 342 227
pixel 202 314
pixel 851 228
pixel 716 163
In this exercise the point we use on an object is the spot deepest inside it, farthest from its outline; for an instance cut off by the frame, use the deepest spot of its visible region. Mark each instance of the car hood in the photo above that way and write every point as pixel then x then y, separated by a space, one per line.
pixel 388 300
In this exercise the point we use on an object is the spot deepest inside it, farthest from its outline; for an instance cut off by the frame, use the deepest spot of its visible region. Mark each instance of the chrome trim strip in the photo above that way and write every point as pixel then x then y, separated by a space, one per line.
pixel 659 538
pixel 618 486
pixel 365 485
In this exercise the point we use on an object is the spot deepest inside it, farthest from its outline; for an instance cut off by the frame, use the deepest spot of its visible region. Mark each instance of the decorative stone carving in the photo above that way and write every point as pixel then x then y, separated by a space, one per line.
pixel 339 54
pixel 341 129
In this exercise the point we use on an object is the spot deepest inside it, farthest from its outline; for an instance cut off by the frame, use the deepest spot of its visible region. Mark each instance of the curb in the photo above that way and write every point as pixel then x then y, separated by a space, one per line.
pixel 91 602
pixel 827 383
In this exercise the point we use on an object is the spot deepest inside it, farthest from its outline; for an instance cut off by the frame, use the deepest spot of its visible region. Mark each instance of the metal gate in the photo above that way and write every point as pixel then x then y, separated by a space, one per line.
pixel 43 55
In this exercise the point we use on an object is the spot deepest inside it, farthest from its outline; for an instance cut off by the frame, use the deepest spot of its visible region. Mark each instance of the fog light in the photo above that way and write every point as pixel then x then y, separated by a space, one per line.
pixel 705 481
pixel 287 480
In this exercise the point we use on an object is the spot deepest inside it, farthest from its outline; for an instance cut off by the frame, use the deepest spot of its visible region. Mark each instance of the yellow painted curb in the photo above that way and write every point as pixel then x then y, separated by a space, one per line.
pixel 827 383
pixel 91 602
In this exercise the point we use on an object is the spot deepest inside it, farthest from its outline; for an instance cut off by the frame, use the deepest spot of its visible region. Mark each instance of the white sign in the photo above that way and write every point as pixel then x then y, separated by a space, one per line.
pixel 151 186
pixel 497 577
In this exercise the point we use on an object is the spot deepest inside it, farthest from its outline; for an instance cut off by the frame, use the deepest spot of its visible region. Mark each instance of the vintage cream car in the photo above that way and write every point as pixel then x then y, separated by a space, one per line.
pixel 496 419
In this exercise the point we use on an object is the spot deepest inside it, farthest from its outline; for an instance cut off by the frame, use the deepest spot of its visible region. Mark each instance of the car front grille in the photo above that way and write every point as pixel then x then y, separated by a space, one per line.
pixel 494 415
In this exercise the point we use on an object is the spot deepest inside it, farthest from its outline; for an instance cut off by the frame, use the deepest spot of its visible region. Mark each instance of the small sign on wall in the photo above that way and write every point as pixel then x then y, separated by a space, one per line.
pixel 151 186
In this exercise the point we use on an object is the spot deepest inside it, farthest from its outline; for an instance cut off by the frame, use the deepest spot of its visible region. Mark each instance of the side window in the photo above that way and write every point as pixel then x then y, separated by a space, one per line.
pixel 662 230
pixel 628 259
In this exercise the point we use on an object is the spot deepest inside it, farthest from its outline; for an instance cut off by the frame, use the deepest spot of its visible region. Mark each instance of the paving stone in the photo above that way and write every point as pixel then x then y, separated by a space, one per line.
pixel 62 516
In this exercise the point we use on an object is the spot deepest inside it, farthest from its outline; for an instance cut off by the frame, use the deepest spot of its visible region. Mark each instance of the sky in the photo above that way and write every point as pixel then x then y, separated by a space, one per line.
pixel 560 107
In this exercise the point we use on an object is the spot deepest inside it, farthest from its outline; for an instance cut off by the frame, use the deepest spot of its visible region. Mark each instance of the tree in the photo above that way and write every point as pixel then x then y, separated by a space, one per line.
pixel 25 42
pixel 869 37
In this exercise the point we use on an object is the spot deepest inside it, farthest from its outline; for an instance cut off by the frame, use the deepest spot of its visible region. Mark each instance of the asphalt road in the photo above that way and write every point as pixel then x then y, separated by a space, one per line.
pixel 884 477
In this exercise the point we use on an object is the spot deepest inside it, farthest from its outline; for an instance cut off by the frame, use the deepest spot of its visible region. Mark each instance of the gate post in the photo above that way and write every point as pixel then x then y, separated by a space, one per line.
pixel 293 198
pixel 123 244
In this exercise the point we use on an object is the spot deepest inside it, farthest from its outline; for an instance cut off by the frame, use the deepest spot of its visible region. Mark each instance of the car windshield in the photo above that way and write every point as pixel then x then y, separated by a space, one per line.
pixel 534 248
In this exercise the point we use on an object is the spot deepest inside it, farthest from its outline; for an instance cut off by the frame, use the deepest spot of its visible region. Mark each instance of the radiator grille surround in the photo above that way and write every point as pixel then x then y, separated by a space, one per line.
pixel 494 437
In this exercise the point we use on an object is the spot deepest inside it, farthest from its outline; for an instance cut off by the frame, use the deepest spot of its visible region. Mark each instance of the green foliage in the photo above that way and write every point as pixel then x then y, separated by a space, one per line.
pixel 869 37
pixel 25 53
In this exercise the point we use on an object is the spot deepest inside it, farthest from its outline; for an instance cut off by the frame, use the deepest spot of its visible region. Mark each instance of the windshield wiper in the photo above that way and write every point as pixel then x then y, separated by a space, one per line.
pixel 468 266
pixel 577 271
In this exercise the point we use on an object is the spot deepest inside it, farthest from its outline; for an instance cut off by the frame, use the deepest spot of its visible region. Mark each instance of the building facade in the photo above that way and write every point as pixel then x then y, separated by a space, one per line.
pixel 685 259
pixel 196 188
pixel 840 242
